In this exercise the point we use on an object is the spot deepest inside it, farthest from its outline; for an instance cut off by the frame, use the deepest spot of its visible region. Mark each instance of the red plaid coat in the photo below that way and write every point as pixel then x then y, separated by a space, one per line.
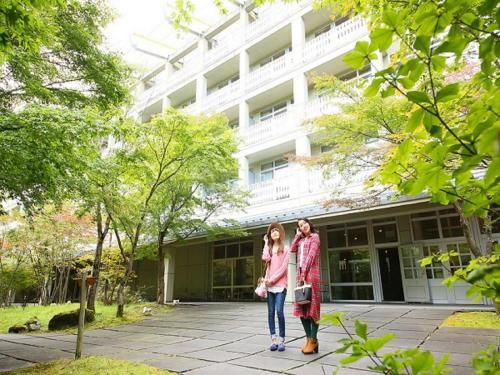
pixel 310 272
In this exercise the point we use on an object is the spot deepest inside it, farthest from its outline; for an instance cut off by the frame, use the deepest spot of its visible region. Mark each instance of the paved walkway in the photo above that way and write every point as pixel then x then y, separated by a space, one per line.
pixel 232 338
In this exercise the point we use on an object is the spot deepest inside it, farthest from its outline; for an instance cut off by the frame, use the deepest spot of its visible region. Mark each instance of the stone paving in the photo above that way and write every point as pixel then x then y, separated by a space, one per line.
pixel 232 338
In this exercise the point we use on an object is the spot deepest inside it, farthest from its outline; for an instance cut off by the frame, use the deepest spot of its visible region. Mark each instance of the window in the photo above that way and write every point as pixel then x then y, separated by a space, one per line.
pixel 434 270
pixel 233 270
pixel 352 234
pixel 274 57
pixel 323 30
pixel 425 226
pixel 436 224
pixel 272 111
pixel 268 170
pixel 462 259
pixel 385 231
pixel 349 262
pixel 326 148
pixel 363 72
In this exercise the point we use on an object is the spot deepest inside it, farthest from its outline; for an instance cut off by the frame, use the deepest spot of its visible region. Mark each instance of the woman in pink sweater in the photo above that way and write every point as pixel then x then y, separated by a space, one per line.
pixel 276 254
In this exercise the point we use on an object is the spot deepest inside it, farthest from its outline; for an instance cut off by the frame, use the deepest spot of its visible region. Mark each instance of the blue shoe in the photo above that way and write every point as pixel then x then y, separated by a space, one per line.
pixel 281 347
pixel 273 347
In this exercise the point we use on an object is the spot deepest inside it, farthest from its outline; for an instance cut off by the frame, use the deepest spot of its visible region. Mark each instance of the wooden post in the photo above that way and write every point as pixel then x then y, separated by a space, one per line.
pixel 81 317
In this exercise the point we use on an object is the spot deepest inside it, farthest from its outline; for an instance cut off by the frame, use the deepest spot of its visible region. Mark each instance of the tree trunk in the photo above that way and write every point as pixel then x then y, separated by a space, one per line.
pixel 66 283
pixel 160 298
pixel 466 227
pixel 120 301
pixel 96 268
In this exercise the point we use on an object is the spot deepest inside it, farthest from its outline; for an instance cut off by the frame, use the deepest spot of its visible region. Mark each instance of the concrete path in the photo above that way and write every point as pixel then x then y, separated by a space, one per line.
pixel 232 338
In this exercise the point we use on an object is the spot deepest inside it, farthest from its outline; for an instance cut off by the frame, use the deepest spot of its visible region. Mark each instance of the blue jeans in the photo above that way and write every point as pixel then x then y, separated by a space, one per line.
pixel 276 303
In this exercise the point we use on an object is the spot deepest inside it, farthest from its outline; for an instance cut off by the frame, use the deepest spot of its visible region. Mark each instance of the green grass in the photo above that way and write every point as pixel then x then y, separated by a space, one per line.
pixel 477 319
pixel 91 365
pixel 105 315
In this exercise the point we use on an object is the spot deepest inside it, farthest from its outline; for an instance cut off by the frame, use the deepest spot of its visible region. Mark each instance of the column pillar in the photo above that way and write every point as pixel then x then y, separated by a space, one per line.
pixel 243 171
pixel 201 80
pixel 298 38
pixel 302 148
pixel 169 275
pixel 243 119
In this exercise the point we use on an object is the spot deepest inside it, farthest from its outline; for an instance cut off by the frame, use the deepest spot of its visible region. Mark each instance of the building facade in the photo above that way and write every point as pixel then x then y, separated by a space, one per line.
pixel 255 66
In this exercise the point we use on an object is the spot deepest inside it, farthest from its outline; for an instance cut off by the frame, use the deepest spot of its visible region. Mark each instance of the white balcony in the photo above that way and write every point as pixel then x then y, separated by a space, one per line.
pixel 223 95
pixel 302 182
pixel 339 36
pixel 224 47
pixel 270 17
pixel 270 128
pixel 270 71
pixel 272 190
pixel 177 77
pixel 322 105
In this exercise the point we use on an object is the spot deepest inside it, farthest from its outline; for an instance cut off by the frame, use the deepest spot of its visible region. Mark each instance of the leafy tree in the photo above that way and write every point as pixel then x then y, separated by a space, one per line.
pixel 48 154
pixel 50 52
pixel 53 66
pixel 187 203
pixel 156 159
pixel 50 240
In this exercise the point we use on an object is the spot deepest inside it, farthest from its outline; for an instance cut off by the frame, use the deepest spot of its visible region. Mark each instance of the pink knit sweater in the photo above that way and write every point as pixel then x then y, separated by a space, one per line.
pixel 277 269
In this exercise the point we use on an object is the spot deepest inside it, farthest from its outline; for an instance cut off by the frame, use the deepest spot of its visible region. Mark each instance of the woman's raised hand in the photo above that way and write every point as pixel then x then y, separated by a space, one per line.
pixel 266 239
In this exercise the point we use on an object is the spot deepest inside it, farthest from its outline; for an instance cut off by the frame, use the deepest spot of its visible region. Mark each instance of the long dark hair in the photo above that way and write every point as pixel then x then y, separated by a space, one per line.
pixel 311 225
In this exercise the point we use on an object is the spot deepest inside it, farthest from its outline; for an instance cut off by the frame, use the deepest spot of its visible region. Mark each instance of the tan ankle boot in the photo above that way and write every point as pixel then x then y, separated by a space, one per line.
pixel 311 347
pixel 305 344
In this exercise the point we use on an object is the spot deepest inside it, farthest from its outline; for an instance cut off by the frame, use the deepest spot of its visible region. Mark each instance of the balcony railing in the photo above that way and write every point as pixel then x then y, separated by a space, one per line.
pixel 272 190
pixel 302 182
pixel 223 95
pixel 337 37
pixel 270 71
pixel 268 129
pixel 323 105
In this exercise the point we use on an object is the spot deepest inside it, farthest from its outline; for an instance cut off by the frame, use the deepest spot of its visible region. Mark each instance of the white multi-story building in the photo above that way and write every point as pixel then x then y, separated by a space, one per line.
pixel 255 67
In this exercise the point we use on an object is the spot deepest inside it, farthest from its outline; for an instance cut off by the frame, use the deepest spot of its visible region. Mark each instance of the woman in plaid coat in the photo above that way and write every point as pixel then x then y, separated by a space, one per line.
pixel 307 246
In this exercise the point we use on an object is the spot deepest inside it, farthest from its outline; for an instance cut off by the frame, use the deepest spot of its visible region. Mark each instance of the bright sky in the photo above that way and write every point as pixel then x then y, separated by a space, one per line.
pixel 143 25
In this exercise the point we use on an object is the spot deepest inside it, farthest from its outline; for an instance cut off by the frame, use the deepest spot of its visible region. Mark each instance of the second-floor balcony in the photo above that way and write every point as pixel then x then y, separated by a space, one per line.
pixel 301 182
pixel 338 36
pixel 270 128
pixel 269 71
pixel 322 105
pixel 222 95
pixel 178 76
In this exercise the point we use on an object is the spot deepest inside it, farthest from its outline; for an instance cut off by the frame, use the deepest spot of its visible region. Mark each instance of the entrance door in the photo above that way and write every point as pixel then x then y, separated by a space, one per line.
pixel 390 274
pixel 415 285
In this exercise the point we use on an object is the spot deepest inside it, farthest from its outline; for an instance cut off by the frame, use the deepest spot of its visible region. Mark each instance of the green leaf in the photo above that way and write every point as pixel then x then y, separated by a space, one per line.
pixel 423 44
pixel 438 63
pixel 373 345
pixel 373 87
pixel 448 93
pixel 415 120
pixel 382 38
pixel 355 59
pixel 391 19
pixel 350 359
pixel 361 329
pixel 418 97
pixel 422 362
pixel 493 172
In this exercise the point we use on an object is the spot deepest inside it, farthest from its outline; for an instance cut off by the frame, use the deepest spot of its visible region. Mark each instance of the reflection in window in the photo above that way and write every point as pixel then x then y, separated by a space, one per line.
pixel 350 266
